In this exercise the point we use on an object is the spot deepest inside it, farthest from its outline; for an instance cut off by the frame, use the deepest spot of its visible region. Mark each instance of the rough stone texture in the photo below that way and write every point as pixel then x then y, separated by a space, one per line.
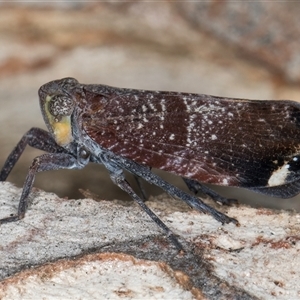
pixel 100 276
pixel 258 259
pixel 267 32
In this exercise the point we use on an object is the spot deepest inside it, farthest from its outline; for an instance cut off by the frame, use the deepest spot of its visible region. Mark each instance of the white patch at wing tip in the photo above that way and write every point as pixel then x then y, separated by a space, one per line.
pixel 278 177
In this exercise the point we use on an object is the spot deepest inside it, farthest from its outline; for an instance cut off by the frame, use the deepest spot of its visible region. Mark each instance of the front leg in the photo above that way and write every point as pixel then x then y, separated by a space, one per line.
pixel 36 138
pixel 45 162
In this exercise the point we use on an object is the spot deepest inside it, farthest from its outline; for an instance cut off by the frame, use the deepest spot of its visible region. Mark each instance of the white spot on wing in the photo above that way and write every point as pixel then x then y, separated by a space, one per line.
pixel 278 177
pixel 152 106
pixel 225 181
pixel 163 105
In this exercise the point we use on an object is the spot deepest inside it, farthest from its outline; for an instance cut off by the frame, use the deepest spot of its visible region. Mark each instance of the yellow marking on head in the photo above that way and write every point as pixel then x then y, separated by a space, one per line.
pixel 61 129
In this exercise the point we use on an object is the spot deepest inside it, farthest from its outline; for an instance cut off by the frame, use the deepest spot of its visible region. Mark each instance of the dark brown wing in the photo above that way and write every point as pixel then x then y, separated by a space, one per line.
pixel 214 140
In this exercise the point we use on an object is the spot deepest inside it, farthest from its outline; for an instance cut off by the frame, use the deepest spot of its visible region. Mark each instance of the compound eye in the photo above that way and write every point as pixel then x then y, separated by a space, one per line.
pixel 61 105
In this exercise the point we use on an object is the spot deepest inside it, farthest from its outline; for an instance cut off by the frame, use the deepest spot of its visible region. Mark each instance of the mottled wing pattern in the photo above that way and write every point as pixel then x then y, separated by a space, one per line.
pixel 231 142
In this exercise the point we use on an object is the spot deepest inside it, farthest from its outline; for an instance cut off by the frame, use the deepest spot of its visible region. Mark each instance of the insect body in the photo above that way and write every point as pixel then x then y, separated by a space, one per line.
pixel 205 139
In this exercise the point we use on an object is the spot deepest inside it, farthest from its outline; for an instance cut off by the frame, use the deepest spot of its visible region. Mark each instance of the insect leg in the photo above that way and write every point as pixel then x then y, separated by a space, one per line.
pixel 117 176
pixel 124 185
pixel 193 201
pixel 42 163
pixel 141 188
pixel 36 138
pixel 195 186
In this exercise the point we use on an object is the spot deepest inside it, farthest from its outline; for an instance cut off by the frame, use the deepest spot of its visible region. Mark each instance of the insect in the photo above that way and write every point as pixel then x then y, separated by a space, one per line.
pixel 204 139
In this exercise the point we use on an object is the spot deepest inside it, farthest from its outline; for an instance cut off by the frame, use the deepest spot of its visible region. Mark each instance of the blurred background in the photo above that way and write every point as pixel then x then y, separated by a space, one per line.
pixel 246 50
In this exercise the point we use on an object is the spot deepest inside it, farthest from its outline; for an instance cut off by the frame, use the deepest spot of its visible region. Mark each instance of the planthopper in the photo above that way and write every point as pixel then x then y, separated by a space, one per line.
pixel 244 143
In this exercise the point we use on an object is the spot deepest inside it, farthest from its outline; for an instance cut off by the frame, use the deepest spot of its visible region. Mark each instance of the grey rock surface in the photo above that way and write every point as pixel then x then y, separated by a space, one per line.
pixel 258 259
